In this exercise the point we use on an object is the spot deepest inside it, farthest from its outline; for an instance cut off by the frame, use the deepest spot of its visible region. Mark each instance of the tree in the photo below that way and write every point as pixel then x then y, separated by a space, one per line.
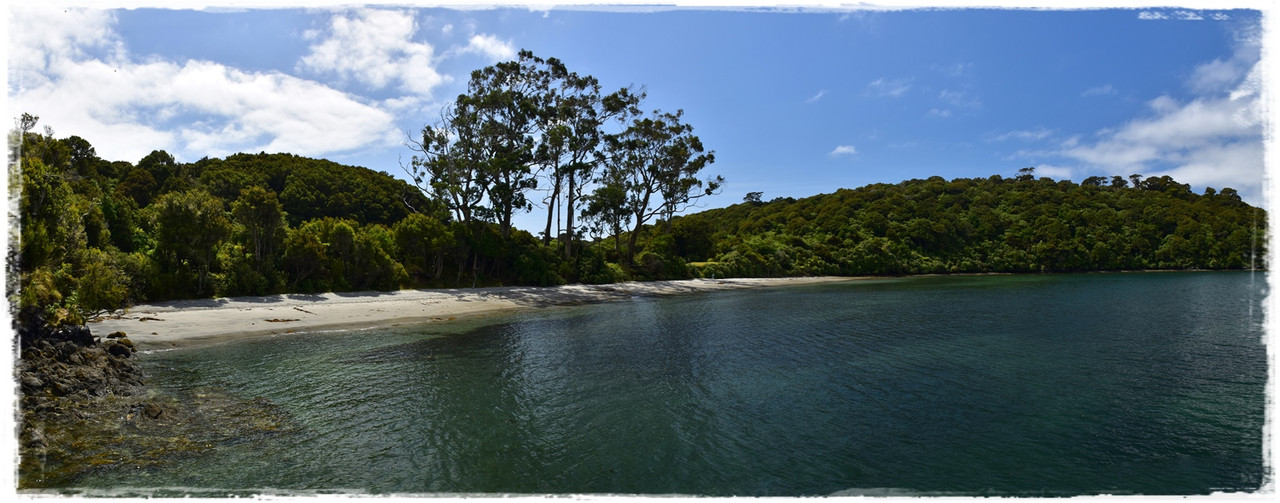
pixel 447 165
pixel 1027 173
pixel 571 137
pixel 753 198
pixel 1094 181
pixel 84 159
pixel 160 165
pixel 27 122
pixel 655 163
pixel 259 212
pixel 505 104
pixel 422 242
pixel 190 225
pixel 606 211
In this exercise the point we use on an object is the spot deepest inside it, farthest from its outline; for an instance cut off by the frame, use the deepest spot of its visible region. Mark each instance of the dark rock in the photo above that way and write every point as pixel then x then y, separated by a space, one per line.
pixel 76 334
pixel 65 349
pixel 119 350
pixel 31 383
pixel 152 410
pixel 115 335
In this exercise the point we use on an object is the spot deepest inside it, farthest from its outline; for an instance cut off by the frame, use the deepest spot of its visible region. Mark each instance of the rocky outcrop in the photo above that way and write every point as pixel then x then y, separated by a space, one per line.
pixel 68 377
pixel 85 409
pixel 70 362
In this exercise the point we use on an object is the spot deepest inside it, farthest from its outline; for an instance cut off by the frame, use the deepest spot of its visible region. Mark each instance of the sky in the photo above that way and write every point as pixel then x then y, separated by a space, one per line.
pixel 795 100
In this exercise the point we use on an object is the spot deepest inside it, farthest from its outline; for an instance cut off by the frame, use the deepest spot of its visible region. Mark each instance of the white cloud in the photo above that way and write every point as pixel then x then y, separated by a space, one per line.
pixel 376 48
pixel 843 150
pixel 39 38
pixel 817 97
pixel 1054 172
pixel 88 86
pixel 490 46
pixel 1210 141
pixel 940 113
pixel 893 88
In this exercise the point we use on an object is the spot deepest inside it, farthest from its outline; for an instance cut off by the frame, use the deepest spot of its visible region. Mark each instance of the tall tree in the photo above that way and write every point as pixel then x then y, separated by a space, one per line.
pixel 260 213
pixel 507 102
pixel 571 135
pixel 655 163
pixel 447 165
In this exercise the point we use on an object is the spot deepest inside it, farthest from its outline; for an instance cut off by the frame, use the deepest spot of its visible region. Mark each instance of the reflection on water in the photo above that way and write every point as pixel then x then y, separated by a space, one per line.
pixel 1026 385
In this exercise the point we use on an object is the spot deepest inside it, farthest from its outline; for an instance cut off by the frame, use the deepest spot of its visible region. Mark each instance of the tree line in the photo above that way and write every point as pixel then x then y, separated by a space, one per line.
pixel 1021 224
pixel 614 182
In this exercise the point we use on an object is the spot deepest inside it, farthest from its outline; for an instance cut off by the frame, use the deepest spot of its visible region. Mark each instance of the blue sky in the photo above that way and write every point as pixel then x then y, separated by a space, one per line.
pixel 793 103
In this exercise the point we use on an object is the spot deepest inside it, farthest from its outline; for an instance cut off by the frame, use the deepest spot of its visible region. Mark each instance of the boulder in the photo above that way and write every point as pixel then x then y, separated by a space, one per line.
pixel 75 334
pixel 152 410
pixel 119 350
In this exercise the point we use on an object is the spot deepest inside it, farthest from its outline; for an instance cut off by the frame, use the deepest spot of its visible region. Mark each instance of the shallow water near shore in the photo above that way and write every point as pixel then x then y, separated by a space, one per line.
pixel 1146 383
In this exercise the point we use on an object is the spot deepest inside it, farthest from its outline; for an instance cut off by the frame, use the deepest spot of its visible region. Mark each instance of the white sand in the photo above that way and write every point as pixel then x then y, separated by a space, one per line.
pixel 179 323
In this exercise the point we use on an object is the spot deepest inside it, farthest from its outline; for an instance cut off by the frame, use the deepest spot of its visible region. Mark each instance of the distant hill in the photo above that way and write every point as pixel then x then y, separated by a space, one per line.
pixel 976 225
pixel 313 188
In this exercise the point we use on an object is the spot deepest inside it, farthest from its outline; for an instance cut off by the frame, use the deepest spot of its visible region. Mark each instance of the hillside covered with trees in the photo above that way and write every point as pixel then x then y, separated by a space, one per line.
pixel 528 135
pixel 975 225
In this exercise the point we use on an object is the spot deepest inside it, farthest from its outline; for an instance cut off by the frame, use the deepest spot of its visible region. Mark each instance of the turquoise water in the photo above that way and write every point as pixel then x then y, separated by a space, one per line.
pixel 1010 385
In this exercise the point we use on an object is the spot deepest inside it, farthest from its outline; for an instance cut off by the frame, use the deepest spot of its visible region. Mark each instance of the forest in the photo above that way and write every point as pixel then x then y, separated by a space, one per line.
pixel 614 182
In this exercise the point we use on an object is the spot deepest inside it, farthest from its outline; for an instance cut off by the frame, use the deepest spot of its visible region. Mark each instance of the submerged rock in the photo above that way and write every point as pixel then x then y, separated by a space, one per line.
pixel 85 409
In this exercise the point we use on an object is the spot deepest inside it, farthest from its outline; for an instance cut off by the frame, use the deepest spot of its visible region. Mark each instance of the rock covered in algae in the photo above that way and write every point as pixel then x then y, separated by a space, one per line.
pixel 86 409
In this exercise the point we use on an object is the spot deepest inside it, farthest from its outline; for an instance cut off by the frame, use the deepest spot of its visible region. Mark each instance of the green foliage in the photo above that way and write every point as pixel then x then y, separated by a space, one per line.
pixel 101 284
pixel 424 243
pixel 190 226
pixel 981 225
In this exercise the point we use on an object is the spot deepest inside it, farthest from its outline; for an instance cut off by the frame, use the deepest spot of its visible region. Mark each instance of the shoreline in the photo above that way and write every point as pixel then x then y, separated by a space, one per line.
pixel 184 323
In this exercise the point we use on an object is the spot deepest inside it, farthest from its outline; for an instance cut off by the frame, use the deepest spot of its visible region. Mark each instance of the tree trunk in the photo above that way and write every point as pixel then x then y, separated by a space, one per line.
pixel 568 242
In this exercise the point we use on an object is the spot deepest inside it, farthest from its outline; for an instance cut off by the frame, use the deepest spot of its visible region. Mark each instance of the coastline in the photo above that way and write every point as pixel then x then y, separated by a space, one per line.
pixel 183 323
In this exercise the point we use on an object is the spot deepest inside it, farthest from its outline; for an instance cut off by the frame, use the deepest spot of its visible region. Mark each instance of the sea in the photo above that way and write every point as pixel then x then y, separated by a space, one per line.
pixel 1020 385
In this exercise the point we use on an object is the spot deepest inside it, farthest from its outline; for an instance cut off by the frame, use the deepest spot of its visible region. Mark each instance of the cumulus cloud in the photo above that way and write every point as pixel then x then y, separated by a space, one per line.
pixel 1054 172
pixel 375 48
pixel 86 83
pixel 490 46
pixel 1214 139
pixel 843 150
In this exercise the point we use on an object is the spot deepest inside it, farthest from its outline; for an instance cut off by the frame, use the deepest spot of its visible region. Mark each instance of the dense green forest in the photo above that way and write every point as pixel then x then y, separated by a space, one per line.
pixel 528 135
pixel 1020 224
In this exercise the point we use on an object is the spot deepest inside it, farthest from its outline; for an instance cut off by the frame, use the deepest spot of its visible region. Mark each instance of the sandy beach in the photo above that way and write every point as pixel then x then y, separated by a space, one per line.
pixel 187 322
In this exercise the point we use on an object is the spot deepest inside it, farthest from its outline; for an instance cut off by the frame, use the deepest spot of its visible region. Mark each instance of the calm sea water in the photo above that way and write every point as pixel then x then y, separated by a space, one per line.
pixel 1013 385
